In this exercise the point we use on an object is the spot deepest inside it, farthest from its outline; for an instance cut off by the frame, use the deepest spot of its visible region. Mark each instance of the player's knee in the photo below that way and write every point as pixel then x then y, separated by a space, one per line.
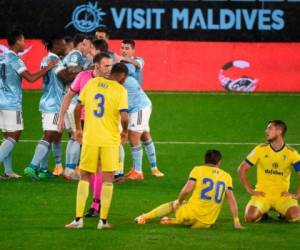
pixel 252 217
pixel 293 214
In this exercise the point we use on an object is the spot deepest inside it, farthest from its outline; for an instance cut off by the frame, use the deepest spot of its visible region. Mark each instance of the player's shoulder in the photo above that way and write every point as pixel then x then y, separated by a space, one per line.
pixel 261 146
pixel 11 56
pixel 291 149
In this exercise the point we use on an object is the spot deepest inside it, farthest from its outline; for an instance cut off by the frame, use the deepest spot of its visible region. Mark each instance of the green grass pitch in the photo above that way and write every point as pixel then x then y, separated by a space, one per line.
pixel 33 214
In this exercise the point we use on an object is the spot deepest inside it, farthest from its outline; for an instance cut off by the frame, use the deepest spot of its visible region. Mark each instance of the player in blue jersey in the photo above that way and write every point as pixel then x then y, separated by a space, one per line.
pixel 139 112
pixel 12 70
pixel 75 62
pixel 134 63
pixel 53 92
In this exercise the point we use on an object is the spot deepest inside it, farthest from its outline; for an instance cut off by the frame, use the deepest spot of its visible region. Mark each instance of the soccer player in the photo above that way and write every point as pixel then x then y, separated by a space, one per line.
pixel 210 185
pixel 274 162
pixel 134 63
pixel 69 44
pixel 105 100
pixel 12 70
pixel 74 62
pixel 53 92
pixel 103 34
pixel 139 112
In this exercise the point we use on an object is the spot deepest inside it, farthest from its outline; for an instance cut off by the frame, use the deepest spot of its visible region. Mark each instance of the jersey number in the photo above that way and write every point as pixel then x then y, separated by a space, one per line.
pixel 101 100
pixel 220 189
pixel 3 71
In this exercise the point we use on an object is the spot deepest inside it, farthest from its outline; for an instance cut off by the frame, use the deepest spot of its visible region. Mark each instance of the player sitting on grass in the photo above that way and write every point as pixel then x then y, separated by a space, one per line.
pixel 209 184
pixel 53 93
pixel 274 162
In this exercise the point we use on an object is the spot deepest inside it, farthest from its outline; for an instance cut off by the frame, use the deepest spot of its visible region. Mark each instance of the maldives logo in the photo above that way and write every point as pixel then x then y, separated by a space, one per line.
pixel 87 17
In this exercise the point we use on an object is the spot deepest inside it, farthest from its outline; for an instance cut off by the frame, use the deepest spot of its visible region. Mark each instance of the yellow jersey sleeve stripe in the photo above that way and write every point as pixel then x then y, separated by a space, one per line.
pixel 249 162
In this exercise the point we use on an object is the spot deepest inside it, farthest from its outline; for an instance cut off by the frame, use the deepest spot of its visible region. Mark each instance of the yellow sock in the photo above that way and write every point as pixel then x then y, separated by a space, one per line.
pixel 106 197
pixel 82 194
pixel 160 211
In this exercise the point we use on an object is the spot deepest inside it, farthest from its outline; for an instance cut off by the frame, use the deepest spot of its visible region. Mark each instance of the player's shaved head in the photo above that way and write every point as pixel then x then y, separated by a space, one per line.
pixel 119 72
pixel 213 157
pixel 281 125
pixel 13 36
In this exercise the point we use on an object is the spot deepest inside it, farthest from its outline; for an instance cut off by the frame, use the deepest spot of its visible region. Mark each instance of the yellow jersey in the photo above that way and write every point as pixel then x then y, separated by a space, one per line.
pixel 103 101
pixel 273 167
pixel 208 195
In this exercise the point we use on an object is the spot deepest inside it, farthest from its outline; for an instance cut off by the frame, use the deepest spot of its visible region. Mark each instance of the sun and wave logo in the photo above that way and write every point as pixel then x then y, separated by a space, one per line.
pixel 87 17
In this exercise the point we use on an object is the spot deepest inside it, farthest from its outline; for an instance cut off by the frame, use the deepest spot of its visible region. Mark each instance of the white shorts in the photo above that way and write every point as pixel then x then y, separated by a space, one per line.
pixel 139 121
pixel 50 120
pixel 70 119
pixel 11 121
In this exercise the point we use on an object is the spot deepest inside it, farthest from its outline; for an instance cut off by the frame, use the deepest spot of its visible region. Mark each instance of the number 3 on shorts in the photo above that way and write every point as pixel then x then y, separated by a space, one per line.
pixel 101 100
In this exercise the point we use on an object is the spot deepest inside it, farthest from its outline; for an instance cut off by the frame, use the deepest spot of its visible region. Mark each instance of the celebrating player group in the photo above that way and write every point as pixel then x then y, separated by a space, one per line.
pixel 96 97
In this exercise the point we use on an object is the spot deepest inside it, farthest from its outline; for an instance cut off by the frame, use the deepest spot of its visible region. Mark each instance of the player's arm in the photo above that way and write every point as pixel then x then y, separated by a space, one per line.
pixel 233 208
pixel 124 124
pixel 64 107
pixel 297 194
pixel 186 190
pixel 243 174
pixel 77 113
pixel 32 77
pixel 66 75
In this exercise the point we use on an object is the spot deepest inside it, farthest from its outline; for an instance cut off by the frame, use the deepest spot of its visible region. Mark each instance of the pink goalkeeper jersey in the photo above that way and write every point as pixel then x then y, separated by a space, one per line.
pixel 79 82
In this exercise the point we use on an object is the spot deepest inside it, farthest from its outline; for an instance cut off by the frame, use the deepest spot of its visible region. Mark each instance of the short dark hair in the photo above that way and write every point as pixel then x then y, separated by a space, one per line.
pixel 104 30
pixel 78 38
pixel 13 36
pixel 98 57
pixel 100 44
pixel 119 68
pixel 129 41
pixel 49 43
pixel 68 39
pixel 212 156
pixel 279 124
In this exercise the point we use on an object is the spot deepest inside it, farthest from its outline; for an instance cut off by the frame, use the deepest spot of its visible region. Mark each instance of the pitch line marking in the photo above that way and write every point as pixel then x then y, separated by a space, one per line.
pixel 188 143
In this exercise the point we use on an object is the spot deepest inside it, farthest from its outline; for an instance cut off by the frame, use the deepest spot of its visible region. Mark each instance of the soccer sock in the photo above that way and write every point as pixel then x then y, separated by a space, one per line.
pixel 160 211
pixel 74 155
pixel 7 162
pixel 151 154
pixel 121 161
pixel 137 158
pixel 43 164
pixel 68 150
pixel 57 152
pixel 97 187
pixel 106 197
pixel 82 195
pixel 6 147
pixel 40 151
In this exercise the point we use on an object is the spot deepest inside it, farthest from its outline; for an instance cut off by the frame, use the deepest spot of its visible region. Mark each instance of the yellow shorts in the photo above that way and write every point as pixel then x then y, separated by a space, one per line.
pixel 108 156
pixel 271 202
pixel 186 216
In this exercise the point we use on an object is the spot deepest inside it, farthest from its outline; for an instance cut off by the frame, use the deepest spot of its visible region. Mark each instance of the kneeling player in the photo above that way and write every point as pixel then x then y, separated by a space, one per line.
pixel 210 185
pixel 274 162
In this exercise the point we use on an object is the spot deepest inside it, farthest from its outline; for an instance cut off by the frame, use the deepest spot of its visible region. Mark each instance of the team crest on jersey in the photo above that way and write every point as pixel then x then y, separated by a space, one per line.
pixel 284 157
pixel 275 165
pixel 87 17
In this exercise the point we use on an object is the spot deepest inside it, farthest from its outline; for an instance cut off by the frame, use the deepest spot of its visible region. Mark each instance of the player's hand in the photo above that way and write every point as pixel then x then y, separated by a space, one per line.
pixel 287 194
pixel 124 137
pixel 237 225
pixel 60 124
pixel 256 193
pixel 78 136
pixel 52 64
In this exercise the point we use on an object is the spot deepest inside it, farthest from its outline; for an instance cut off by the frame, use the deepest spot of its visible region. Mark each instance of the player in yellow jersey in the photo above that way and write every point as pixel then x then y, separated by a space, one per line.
pixel 210 185
pixel 274 162
pixel 105 101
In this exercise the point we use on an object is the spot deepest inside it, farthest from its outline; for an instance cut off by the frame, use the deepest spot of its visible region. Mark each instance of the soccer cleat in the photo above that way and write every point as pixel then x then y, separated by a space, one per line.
pixel 45 174
pixel 30 172
pixel 75 224
pixel 92 213
pixel 12 176
pixel 102 225
pixel 140 220
pixel 135 176
pixel 129 173
pixel 70 174
pixel 58 170
pixel 155 172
